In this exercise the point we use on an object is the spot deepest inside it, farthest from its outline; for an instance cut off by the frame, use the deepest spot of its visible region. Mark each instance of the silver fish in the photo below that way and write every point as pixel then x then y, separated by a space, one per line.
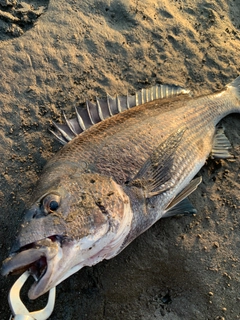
pixel 126 163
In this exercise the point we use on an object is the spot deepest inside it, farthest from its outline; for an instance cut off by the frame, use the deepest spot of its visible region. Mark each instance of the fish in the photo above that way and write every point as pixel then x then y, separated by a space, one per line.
pixel 127 161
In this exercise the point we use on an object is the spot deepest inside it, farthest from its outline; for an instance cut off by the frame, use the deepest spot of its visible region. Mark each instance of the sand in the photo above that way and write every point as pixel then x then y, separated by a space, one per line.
pixel 56 54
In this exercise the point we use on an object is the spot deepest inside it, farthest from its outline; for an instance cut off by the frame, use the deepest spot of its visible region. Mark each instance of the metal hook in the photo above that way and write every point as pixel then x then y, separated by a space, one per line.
pixel 19 311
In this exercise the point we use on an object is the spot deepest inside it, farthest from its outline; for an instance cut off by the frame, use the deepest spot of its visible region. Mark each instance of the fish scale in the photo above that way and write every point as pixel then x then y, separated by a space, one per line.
pixel 124 165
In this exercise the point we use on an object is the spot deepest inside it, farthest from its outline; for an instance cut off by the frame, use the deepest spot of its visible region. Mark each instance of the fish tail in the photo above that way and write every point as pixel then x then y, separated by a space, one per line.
pixel 235 84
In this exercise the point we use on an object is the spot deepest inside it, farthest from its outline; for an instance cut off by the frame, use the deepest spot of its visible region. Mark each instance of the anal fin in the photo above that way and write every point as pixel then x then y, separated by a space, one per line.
pixel 221 145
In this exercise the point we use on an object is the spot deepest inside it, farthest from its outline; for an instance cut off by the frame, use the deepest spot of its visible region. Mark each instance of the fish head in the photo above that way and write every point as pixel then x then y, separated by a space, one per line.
pixel 75 220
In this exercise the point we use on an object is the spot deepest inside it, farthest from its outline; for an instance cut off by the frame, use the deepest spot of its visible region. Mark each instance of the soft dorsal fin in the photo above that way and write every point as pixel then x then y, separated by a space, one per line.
pixel 105 108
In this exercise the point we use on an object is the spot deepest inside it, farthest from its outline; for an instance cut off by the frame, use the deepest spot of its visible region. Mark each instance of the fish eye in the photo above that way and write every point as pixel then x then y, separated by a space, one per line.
pixel 53 205
pixel 50 203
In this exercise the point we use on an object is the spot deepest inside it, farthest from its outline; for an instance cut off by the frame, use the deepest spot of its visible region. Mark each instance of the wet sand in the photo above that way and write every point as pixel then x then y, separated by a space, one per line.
pixel 55 55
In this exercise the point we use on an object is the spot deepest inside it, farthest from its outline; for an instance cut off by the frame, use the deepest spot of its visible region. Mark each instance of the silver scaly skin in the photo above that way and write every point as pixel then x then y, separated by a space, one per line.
pixel 127 162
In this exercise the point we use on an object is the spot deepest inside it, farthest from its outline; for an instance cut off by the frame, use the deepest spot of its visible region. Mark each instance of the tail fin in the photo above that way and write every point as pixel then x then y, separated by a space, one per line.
pixel 236 85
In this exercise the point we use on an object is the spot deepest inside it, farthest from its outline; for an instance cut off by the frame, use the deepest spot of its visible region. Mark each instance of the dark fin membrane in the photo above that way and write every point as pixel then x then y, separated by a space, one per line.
pixel 105 108
pixel 156 174
pixel 221 145
pixel 184 208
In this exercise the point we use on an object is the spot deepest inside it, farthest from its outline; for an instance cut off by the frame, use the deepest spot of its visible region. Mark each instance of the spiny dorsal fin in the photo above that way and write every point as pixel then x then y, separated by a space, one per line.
pixel 105 108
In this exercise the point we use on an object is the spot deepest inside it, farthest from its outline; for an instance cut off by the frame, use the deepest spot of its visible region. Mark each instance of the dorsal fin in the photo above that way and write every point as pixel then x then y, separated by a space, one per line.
pixel 105 108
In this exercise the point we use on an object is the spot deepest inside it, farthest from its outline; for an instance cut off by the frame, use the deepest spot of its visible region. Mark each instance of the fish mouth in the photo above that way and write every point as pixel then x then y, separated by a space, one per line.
pixel 39 259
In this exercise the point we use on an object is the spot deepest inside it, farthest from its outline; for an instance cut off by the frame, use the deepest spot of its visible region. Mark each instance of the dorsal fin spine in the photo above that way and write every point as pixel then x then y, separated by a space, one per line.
pixel 99 109
pixel 58 137
pixel 69 125
pixel 89 113
pixel 64 134
pixel 167 91
pixel 128 107
pixel 109 105
pixel 147 95
pixel 152 93
pixel 156 92
pixel 80 120
pixel 160 92
pixel 119 107
pixel 136 98
pixel 163 91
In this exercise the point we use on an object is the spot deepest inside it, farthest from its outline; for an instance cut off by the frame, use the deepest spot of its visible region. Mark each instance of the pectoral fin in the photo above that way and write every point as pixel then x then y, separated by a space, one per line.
pixel 156 174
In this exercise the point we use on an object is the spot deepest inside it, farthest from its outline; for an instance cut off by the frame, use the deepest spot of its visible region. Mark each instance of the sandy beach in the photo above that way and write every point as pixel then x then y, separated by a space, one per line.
pixel 55 55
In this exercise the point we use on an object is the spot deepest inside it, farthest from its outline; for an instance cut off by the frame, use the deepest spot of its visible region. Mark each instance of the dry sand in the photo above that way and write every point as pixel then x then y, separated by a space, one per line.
pixel 54 55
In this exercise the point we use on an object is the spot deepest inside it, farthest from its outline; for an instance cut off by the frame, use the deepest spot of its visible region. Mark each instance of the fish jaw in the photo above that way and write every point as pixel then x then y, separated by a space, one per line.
pixel 56 260
pixel 69 258
pixel 39 260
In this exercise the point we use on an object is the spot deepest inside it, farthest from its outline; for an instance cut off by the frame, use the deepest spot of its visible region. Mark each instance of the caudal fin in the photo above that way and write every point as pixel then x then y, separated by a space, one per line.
pixel 236 85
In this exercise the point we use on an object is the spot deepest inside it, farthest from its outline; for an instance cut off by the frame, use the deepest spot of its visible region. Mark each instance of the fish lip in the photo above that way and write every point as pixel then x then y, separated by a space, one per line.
pixel 36 259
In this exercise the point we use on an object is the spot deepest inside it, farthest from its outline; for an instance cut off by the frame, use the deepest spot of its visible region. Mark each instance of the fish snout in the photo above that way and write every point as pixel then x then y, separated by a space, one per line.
pixel 37 227
pixel 33 213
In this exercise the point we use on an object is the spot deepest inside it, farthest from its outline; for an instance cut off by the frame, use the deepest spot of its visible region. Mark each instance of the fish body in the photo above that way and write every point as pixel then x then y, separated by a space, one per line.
pixel 127 162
